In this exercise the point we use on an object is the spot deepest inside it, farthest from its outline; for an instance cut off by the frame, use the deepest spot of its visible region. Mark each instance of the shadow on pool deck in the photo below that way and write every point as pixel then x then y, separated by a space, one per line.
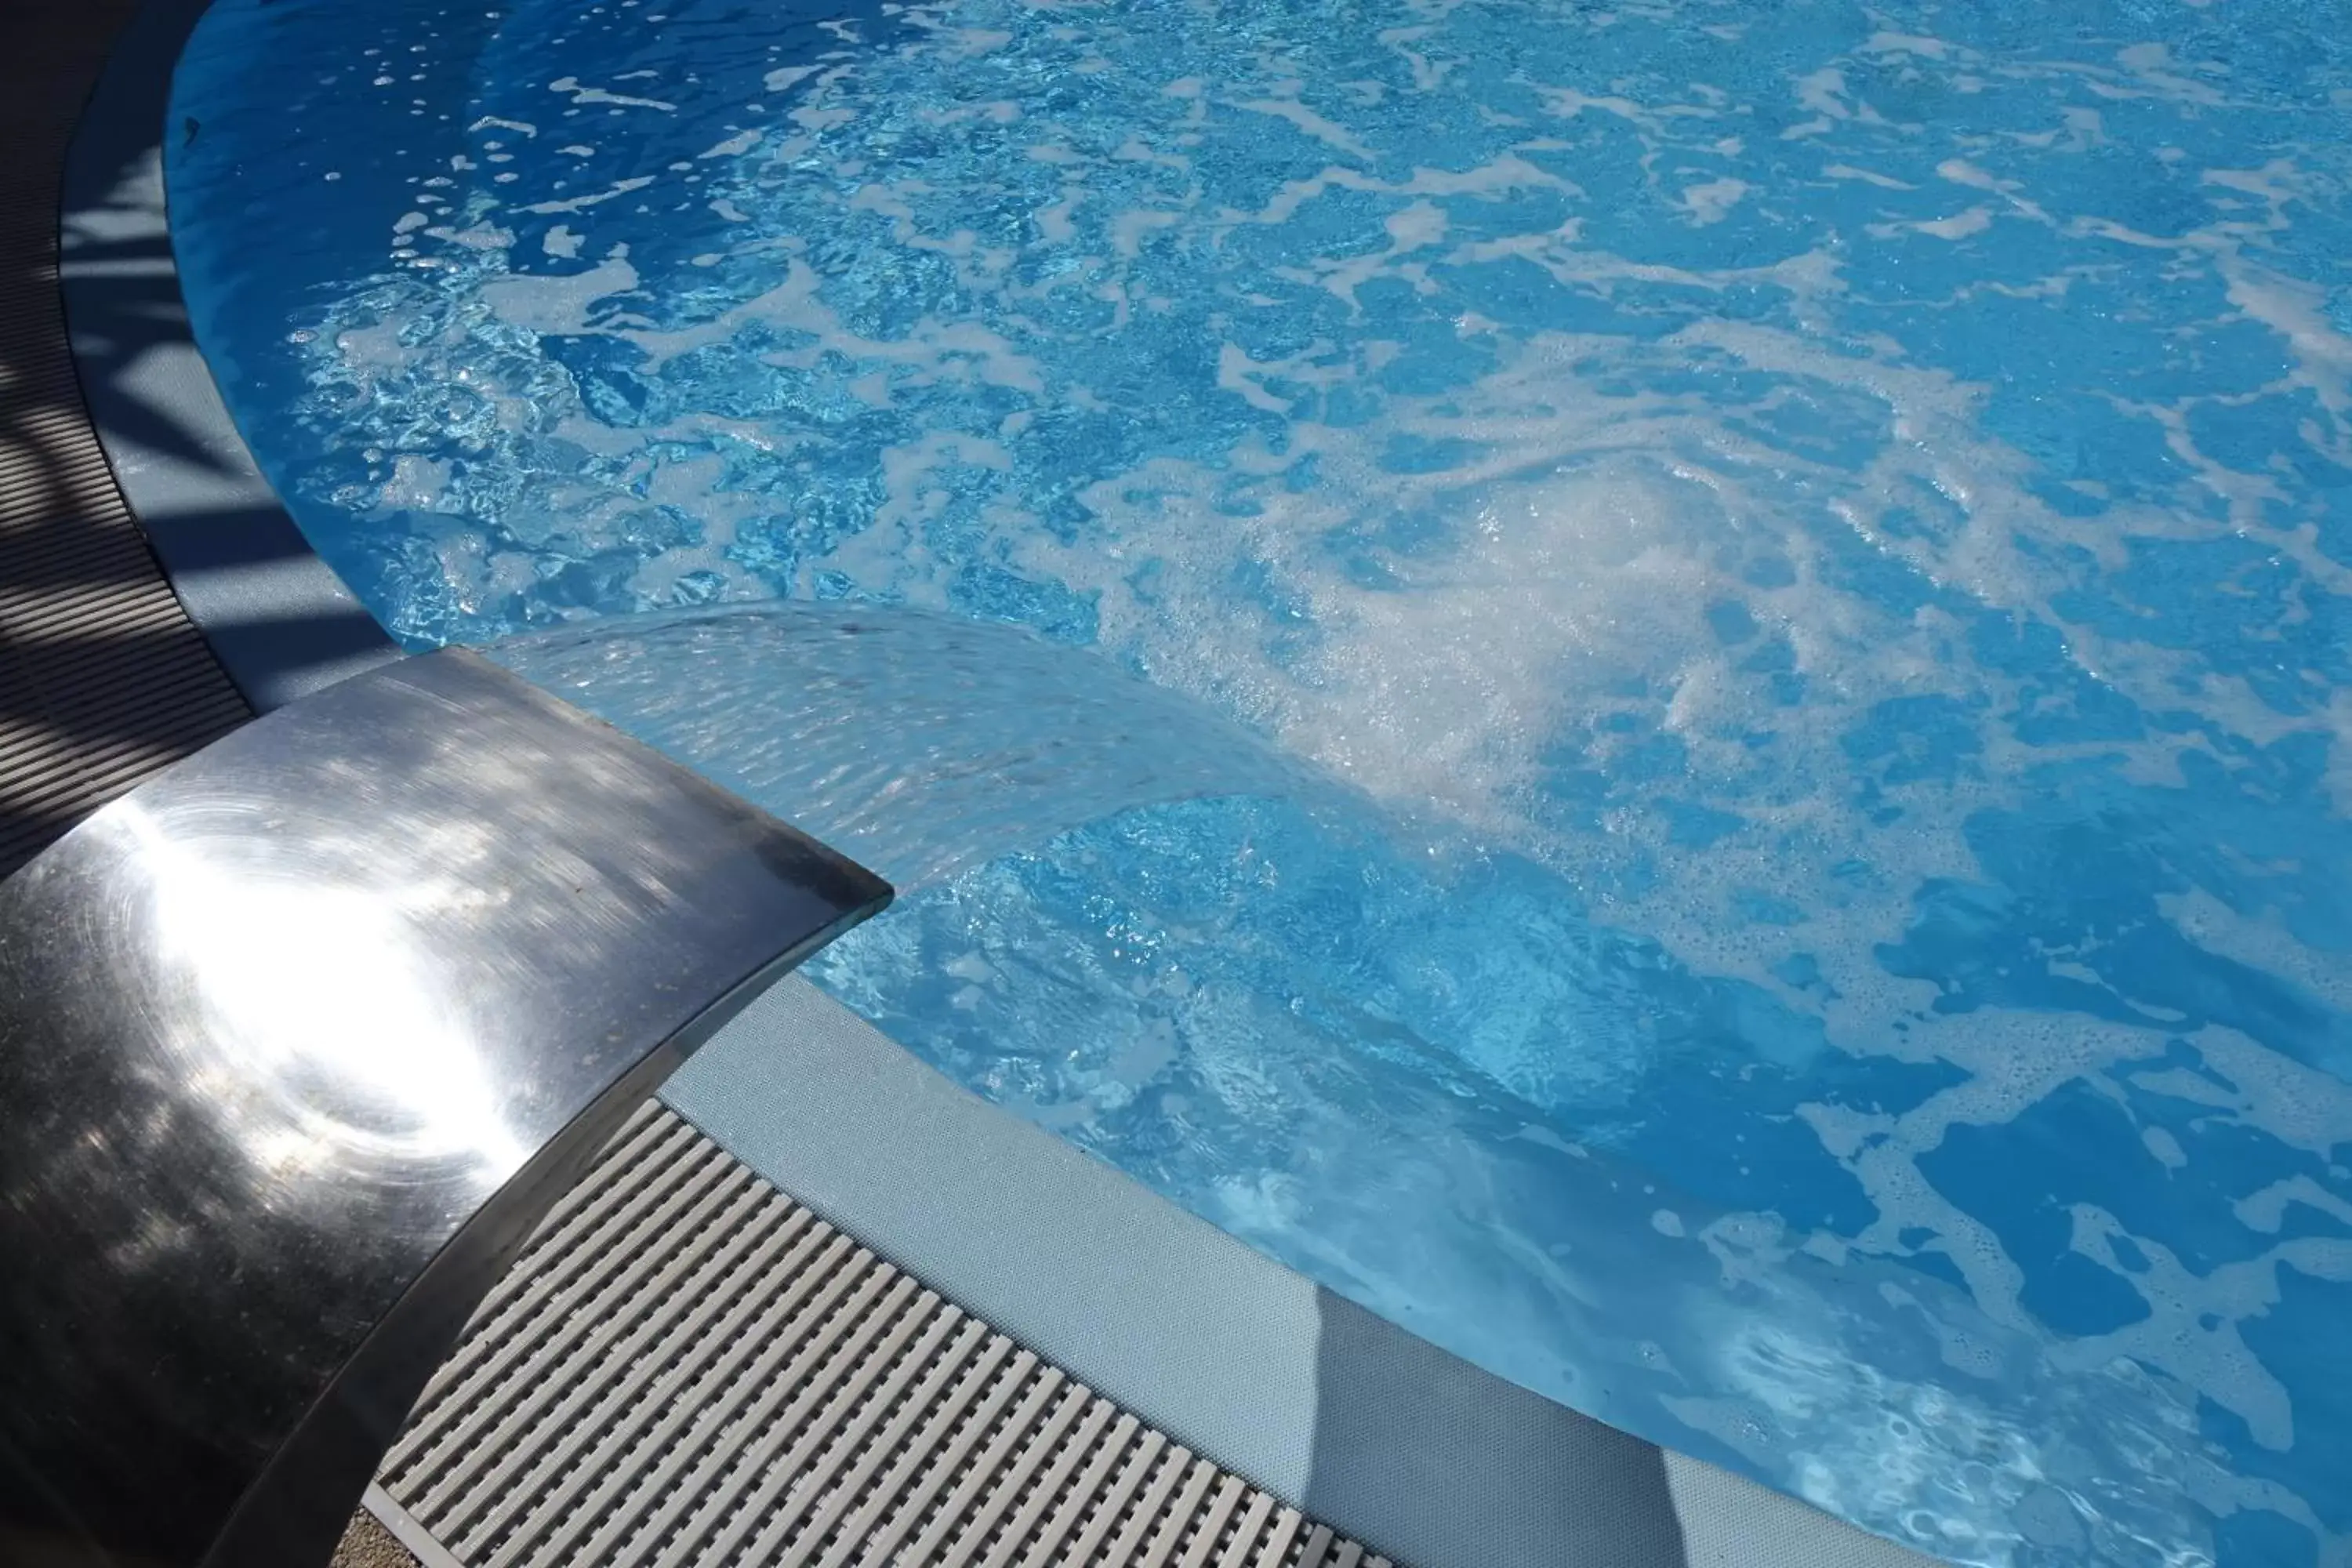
pixel 103 678
pixel 279 621
pixel 1595 1495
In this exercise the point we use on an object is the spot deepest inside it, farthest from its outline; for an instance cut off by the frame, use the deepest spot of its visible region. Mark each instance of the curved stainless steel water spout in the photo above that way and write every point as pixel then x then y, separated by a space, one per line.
pixel 298 1042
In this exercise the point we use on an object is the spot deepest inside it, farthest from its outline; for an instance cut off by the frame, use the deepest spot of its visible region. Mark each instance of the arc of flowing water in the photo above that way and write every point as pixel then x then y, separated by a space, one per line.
pixel 920 742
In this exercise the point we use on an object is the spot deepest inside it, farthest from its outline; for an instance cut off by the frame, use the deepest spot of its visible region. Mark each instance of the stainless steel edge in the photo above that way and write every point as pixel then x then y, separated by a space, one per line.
pixel 297 1041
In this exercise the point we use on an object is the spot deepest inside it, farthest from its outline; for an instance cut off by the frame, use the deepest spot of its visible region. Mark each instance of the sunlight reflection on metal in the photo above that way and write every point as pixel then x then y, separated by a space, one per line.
pixel 265 962
pixel 297 1042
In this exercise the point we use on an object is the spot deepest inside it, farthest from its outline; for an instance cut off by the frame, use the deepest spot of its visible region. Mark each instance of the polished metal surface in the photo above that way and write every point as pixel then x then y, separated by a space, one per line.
pixel 297 1043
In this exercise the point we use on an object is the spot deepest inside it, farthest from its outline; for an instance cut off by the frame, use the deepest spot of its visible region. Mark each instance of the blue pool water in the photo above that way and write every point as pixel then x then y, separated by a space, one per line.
pixel 1682 710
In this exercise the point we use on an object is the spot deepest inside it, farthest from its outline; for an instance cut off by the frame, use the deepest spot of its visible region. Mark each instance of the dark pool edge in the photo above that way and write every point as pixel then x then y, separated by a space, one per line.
pixel 280 621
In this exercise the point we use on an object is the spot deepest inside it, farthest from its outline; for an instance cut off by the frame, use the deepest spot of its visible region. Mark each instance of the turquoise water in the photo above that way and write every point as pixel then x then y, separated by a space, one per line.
pixel 1748 611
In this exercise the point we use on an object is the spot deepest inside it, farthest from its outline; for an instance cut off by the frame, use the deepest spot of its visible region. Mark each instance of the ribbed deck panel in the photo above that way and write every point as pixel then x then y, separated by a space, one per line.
pixel 688 1368
pixel 103 678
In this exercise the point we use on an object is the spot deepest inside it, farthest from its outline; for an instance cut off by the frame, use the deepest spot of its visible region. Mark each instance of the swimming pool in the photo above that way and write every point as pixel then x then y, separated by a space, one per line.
pixel 1712 644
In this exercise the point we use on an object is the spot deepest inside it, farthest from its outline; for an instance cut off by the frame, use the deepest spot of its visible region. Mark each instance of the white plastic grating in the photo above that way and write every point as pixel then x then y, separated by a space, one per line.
pixel 688 1368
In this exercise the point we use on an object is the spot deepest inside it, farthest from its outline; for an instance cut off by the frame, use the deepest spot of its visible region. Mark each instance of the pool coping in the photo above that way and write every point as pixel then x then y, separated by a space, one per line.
pixel 1337 1412
pixel 279 620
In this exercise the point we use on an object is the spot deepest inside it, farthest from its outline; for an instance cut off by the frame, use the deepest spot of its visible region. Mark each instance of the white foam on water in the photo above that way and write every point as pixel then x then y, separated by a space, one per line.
pixel 1588 531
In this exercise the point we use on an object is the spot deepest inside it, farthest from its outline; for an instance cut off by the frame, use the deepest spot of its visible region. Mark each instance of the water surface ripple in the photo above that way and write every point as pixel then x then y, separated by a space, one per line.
pixel 1751 608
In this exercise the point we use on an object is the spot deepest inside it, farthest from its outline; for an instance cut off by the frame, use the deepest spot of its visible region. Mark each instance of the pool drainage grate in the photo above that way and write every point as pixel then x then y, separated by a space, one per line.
pixel 688 1367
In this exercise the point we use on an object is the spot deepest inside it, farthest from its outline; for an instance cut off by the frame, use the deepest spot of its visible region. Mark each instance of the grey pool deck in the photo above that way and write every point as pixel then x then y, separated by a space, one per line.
pixel 691 1366
pixel 822 1306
